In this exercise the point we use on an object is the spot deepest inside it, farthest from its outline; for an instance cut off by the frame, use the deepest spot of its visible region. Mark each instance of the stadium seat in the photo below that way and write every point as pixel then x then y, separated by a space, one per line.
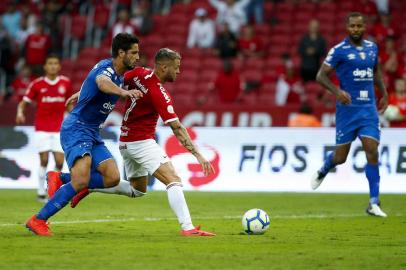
pixel 190 76
pixel 190 63
pixel 212 63
pixel 78 29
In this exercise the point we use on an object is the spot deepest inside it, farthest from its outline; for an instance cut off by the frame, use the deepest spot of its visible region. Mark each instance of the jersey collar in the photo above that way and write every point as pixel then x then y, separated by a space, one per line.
pixel 52 82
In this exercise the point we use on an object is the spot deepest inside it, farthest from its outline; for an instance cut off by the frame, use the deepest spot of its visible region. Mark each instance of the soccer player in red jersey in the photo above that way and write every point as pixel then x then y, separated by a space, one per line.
pixel 398 99
pixel 49 93
pixel 141 153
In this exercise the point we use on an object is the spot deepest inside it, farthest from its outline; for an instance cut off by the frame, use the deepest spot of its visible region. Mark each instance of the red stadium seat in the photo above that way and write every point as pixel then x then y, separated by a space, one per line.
pixel 212 63
pixel 79 25
pixel 187 88
pixel 208 75
pixel 101 16
pixel 254 64
pixel 173 41
pixel 190 76
pixel 190 63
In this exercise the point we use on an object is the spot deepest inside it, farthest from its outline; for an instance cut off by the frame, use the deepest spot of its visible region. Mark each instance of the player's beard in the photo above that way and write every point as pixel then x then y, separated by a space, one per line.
pixel 356 38
pixel 127 64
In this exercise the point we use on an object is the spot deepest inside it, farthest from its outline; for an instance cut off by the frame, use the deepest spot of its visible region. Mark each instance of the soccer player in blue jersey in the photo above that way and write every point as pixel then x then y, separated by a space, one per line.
pixel 90 162
pixel 355 61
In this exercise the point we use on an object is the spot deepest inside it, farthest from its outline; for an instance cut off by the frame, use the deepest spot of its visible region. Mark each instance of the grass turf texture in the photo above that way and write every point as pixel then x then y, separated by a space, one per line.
pixel 308 231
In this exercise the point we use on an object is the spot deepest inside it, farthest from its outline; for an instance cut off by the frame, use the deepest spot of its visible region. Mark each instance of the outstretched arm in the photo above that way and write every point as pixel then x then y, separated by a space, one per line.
pixel 107 86
pixel 378 81
pixel 183 137
pixel 324 80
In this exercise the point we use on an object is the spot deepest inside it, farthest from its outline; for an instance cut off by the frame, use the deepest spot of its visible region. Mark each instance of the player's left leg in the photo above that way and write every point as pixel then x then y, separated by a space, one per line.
pixel 41 192
pixel 370 146
pixel 174 188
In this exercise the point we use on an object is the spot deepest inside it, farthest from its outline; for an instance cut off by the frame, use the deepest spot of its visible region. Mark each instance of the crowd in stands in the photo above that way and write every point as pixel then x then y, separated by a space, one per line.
pixel 248 52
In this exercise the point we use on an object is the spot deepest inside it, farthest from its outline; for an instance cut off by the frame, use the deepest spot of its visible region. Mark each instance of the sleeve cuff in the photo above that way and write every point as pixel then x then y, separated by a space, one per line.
pixel 171 120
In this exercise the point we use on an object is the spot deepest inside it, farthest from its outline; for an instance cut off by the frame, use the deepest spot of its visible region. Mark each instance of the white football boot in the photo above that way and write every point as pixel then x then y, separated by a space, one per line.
pixel 316 180
pixel 375 210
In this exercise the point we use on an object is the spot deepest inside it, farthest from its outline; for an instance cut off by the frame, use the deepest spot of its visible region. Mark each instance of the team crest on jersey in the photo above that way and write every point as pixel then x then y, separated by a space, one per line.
pixel 170 109
pixel 362 55
pixel 351 56
pixel 61 90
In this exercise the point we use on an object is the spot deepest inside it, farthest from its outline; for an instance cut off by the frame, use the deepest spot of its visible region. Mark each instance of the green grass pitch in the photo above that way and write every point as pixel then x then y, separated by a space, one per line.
pixel 308 231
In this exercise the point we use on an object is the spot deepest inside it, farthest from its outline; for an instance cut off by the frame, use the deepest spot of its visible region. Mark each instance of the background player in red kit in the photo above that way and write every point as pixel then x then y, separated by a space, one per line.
pixel 141 153
pixel 49 93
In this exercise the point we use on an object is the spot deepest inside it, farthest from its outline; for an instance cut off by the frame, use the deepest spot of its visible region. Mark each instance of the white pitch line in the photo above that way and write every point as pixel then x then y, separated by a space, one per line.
pixel 198 218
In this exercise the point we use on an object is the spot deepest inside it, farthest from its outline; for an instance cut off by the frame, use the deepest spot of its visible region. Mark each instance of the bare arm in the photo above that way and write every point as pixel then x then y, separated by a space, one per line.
pixel 107 86
pixel 20 118
pixel 378 81
pixel 183 137
pixel 324 80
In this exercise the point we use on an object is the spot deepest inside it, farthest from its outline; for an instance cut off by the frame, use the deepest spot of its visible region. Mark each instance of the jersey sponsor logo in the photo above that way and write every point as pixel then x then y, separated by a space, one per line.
pixel 351 56
pixel 163 91
pixel 108 107
pixel 363 74
pixel 363 95
pixel 139 85
pixel 48 99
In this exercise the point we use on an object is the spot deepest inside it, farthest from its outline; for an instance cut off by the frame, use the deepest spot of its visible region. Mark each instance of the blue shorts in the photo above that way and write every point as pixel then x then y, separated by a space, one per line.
pixel 356 122
pixel 78 140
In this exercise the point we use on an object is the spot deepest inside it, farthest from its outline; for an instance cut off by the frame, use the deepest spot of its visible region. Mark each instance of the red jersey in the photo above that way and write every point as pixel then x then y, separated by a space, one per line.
pixel 50 97
pixel 401 104
pixel 20 86
pixel 37 46
pixel 141 115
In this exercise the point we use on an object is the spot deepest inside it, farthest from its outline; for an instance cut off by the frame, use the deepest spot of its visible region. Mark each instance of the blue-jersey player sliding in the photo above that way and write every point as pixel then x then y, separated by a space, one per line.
pixel 90 162
pixel 355 61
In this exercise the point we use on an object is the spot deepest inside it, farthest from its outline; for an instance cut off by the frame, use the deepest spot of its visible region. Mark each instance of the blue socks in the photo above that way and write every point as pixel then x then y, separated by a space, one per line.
pixel 96 179
pixel 65 177
pixel 328 164
pixel 61 198
pixel 372 174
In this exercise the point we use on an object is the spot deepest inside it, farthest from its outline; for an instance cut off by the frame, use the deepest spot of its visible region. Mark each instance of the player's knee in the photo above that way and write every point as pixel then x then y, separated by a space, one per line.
pixel 80 181
pixel 112 179
pixel 340 160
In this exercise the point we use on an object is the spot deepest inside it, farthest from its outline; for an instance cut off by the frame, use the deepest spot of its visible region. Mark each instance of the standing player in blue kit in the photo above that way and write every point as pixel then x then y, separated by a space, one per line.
pixel 355 61
pixel 90 162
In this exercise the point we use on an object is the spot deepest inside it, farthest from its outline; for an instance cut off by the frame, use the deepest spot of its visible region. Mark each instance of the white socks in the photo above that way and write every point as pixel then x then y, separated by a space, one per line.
pixel 41 181
pixel 123 188
pixel 178 204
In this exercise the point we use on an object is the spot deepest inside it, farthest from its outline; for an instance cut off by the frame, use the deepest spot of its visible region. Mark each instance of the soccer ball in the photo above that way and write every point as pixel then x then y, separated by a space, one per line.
pixel 391 113
pixel 255 221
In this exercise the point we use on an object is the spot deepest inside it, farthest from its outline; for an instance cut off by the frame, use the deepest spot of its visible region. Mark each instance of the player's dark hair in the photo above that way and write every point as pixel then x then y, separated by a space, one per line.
pixel 52 56
pixel 165 54
pixel 353 15
pixel 122 41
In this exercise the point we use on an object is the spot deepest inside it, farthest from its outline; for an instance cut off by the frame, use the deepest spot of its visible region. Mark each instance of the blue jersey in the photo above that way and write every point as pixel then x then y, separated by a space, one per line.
pixel 355 69
pixel 93 105
pixel 80 130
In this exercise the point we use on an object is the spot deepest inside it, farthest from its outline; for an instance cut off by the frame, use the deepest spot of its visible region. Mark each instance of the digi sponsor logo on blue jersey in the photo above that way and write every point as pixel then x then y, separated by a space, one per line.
pixel 363 74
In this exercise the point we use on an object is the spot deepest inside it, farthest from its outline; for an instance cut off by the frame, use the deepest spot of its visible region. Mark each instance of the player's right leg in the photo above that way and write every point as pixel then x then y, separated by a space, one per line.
pixel 80 174
pixel 332 159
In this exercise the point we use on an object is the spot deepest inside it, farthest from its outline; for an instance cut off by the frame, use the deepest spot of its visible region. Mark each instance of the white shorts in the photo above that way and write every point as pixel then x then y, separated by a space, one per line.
pixel 48 141
pixel 142 157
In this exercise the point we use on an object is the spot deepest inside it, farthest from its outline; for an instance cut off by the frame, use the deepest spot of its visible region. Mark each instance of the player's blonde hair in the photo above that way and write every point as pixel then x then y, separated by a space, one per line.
pixel 166 54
